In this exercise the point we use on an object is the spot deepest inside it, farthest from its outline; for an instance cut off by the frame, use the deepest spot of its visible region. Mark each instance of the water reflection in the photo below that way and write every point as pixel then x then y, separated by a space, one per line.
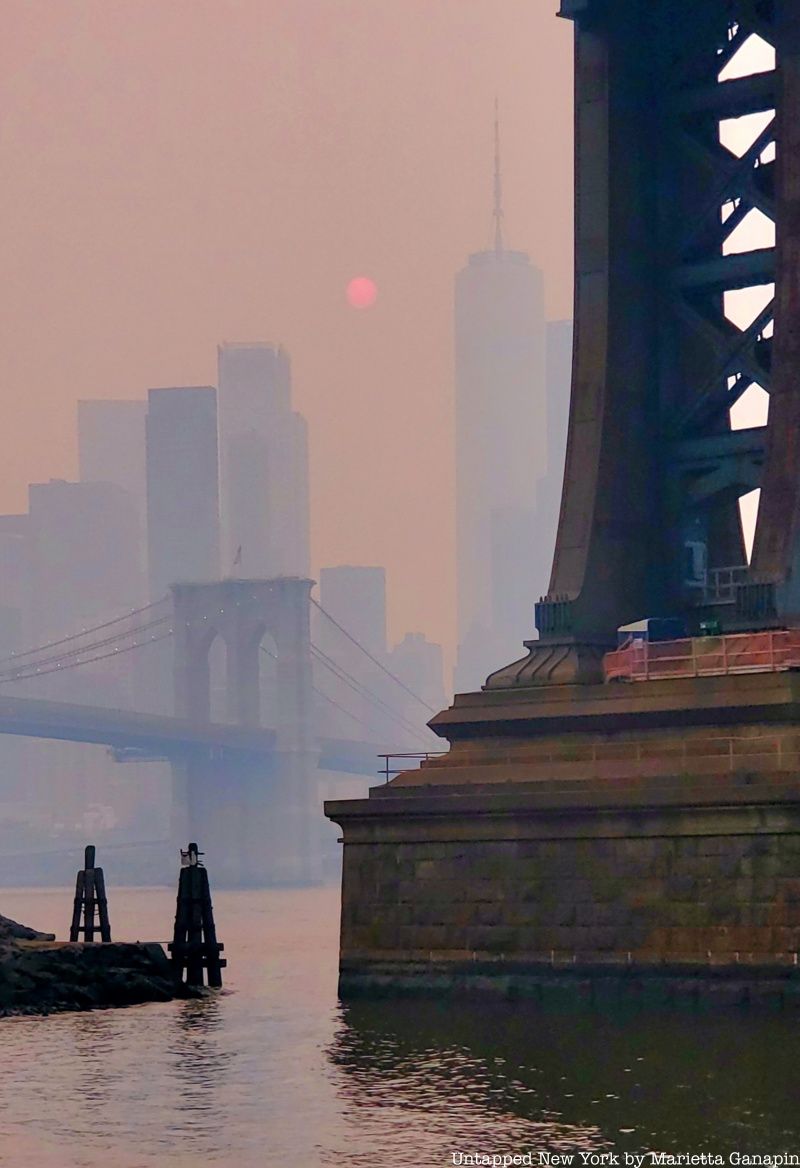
pixel 200 1069
pixel 272 1071
pixel 552 1076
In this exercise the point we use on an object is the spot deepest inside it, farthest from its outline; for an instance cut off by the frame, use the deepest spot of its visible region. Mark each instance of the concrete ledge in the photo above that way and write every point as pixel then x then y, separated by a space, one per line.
pixel 645 791
pixel 574 810
pixel 681 701
pixel 648 982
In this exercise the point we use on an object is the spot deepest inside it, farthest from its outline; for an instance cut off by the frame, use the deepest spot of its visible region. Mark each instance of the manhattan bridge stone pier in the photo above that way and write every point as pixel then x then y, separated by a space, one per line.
pixel 648 829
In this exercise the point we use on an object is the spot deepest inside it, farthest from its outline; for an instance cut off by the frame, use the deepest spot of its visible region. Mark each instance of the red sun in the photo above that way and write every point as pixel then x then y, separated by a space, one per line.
pixel 361 292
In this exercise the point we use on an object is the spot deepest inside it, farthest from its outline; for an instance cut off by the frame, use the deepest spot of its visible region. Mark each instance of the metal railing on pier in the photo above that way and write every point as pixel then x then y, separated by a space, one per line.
pixel 388 770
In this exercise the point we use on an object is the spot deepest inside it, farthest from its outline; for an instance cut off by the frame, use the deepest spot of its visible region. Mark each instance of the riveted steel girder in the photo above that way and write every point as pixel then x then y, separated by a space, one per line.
pixel 661 356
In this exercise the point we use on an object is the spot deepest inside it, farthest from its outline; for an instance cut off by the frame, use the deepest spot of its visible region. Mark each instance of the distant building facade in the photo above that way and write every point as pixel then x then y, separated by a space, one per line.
pixel 383 695
pixel 501 455
pixel 15 578
pixel 111 445
pixel 182 487
pixel 263 449
pixel 111 449
pixel 355 596
pixel 417 662
pixel 82 556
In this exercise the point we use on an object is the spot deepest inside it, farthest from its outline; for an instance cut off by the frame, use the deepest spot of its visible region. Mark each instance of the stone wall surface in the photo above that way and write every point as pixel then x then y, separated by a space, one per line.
pixel 596 830
pixel 614 753
pixel 671 898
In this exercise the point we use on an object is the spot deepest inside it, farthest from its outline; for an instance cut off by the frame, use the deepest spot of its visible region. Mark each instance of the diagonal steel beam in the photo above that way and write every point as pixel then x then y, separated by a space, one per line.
pixel 737 180
pixel 715 397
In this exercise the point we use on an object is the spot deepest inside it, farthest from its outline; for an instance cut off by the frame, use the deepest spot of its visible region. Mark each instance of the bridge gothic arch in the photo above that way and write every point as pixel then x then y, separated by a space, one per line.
pixel 254 815
pixel 217 679
pixel 268 680
pixel 264 626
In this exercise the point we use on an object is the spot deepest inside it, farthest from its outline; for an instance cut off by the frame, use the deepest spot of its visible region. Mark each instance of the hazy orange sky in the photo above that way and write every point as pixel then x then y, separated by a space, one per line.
pixel 181 172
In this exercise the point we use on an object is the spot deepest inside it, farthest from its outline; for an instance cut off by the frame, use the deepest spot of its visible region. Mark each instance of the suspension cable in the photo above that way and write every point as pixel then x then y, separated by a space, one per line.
pixel 362 691
pixel 84 633
pixel 90 647
pixel 359 689
pixel 88 661
pixel 343 709
pixel 375 660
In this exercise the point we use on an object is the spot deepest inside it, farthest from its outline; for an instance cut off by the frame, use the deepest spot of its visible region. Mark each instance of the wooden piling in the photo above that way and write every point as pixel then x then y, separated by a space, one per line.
pixel 90 906
pixel 194 947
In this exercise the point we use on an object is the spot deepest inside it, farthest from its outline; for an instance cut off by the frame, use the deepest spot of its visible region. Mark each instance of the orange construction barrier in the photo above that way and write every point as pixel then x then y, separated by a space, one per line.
pixel 766 652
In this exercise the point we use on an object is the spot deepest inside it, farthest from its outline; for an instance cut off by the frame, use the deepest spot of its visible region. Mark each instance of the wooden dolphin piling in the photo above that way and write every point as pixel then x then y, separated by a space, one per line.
pixel 90 902
pixel 194 945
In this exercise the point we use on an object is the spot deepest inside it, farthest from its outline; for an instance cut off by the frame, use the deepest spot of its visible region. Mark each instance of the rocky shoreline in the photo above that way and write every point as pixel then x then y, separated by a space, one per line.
pixel 39 975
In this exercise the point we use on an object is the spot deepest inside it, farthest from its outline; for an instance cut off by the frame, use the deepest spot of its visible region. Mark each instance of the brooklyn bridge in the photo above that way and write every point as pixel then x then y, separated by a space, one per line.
pixel 247 789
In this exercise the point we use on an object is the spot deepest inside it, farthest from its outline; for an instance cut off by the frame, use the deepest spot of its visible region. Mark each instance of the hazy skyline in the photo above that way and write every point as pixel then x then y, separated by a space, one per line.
pixel 182 174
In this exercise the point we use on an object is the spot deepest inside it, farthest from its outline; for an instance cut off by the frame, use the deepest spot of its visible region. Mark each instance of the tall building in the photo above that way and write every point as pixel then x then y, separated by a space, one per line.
pixel 111 449
pixel 69 564
pixel 14 583
pixel 417 662
pixel 263 464
pixel 111 445
pixel 182 487
pixel 381 695
pixel 82 556
pixel 501 452
pixel 356 598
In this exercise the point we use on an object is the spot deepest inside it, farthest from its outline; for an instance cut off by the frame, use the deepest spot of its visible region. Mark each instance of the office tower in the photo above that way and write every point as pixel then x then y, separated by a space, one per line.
pixel 355 597
pixel 417 662
pixel 263 465
pixel 83 564
pixel 14 583
pixel 182 490
pixel 111 445
pixel 83 569
pixel 501 452
pixel 111 449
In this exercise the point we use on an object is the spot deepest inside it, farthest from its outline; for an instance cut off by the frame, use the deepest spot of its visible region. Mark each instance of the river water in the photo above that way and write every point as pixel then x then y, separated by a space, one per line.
pixel 276 1072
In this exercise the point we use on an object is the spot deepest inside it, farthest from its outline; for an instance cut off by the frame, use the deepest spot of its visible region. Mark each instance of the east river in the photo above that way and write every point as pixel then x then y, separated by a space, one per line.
pixel 276 1072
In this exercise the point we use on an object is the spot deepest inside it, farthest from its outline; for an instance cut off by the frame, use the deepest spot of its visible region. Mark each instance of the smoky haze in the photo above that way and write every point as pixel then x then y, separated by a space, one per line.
pixel 188 173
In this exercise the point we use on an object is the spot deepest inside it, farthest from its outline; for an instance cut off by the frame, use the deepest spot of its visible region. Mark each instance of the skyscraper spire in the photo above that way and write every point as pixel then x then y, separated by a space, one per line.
pixel 498 190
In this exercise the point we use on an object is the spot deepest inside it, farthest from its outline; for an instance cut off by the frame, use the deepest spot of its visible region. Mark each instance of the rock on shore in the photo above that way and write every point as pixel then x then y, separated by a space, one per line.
pixel 41 976
pixel 13 931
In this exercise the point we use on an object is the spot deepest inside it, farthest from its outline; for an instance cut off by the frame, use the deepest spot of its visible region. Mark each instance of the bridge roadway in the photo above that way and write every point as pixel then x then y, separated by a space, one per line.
pixel 165 737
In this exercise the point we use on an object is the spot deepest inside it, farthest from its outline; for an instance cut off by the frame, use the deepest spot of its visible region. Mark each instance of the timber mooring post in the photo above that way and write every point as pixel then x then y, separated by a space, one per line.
pixel 90 898
pixel 194 944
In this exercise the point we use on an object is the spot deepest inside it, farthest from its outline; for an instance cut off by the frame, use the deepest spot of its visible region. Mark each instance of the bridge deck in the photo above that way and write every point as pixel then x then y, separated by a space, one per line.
pixel 166 736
